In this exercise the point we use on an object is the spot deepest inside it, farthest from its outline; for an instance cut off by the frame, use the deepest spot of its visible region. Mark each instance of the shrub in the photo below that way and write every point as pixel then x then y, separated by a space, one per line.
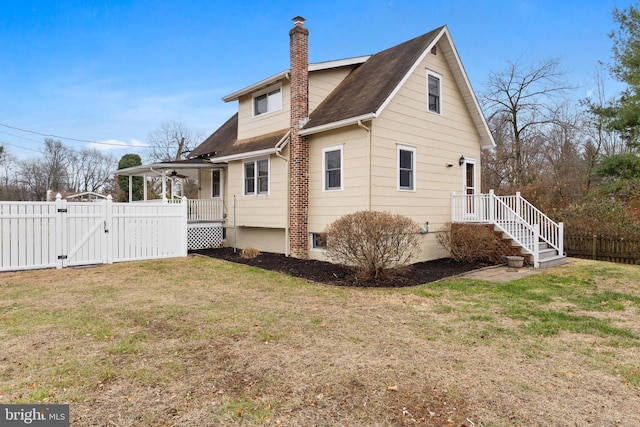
pixel 373 242
pixel 468 242
pixel 249 252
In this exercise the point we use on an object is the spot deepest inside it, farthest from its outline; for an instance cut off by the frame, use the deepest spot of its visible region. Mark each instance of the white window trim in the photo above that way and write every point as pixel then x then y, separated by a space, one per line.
pixel 221 184
pixel 439 77
pixel 255 178
pixel 262 92
pixel 413 167
pixel 324 167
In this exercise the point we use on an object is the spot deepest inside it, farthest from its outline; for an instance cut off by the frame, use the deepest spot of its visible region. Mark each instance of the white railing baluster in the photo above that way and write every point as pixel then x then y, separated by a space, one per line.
pixel 514 215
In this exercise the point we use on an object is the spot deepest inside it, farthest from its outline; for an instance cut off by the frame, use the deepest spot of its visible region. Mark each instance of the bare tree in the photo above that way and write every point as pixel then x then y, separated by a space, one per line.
pixel 90 170
pixel 34 180
pixel 173 140
pixel 520 101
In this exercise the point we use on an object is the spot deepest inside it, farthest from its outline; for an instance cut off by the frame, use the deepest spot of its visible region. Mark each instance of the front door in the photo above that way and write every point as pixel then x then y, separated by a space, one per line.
pixel 469 184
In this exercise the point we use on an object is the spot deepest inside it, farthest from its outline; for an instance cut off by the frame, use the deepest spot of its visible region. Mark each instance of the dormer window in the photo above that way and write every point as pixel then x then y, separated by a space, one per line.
pixel 267 101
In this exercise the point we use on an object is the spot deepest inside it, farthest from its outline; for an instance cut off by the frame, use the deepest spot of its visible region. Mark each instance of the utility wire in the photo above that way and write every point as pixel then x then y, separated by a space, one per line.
pixel 71 139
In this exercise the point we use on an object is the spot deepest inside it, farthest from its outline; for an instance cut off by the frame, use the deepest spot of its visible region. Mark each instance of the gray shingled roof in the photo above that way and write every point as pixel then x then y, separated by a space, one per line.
pixel 224 142
pixel 367 87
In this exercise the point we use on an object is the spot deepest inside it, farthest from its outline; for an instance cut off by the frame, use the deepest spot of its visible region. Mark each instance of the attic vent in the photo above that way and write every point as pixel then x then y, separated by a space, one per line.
pixel 434 50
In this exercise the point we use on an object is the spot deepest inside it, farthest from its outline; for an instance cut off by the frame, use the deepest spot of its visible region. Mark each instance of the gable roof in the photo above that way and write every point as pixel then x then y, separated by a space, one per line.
pixel 365 89
pixel 370 87
pixel 362 95
pixel 224 145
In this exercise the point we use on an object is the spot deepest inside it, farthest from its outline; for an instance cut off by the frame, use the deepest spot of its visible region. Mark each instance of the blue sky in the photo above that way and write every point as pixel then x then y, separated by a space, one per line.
pixel 113 71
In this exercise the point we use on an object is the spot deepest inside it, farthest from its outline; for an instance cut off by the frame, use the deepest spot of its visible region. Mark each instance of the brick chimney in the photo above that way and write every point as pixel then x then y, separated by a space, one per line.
pixel 299 145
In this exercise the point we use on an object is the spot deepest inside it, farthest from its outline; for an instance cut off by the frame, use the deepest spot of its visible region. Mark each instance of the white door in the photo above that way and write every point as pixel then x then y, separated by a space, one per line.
pixel 469 186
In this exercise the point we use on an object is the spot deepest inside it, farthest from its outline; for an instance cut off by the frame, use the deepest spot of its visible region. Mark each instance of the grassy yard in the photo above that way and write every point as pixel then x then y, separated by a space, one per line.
pixel 198 341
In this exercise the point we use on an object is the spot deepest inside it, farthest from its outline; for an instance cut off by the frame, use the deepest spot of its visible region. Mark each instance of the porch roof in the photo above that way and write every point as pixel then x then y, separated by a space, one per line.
pixel 185 168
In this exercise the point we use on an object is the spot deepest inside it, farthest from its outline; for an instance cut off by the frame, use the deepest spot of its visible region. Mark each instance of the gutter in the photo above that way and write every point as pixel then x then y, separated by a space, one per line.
pixel 360 124
pixel 338 124
pixel 279 147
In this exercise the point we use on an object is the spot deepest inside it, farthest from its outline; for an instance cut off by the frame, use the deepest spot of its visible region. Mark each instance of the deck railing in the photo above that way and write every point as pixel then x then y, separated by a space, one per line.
pixel 513 215
pixel 199 210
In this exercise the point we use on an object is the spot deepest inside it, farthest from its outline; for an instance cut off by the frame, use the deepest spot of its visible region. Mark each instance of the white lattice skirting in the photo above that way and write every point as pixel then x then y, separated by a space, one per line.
pixel 204 236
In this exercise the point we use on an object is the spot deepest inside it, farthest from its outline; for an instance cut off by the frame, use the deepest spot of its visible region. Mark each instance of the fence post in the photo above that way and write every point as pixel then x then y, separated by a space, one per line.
pixel 185 214
pixel 593 247
pixel 492 207
pixel 107 217
pixel 61 236
pixel 453 206
pixel 561 239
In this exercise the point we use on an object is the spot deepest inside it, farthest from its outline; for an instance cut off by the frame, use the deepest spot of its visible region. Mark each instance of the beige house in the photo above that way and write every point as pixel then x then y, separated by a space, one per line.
pixel 398 131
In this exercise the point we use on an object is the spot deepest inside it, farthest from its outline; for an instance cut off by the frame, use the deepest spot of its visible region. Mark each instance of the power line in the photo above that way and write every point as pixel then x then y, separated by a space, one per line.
pixel 71 139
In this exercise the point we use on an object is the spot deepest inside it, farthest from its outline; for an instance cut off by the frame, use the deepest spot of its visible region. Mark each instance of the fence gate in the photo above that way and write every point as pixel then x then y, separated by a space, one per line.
pixel 60 234
pixel 85 233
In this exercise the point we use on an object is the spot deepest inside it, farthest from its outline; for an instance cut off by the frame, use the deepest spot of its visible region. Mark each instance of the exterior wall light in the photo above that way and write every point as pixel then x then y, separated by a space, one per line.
pixel 461 160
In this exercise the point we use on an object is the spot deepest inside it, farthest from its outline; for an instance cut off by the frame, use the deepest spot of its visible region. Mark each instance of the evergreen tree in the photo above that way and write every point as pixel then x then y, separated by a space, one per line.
pixel 137 185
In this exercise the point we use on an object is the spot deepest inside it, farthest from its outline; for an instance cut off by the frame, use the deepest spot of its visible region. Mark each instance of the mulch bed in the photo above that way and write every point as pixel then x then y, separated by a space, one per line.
pixel 339 275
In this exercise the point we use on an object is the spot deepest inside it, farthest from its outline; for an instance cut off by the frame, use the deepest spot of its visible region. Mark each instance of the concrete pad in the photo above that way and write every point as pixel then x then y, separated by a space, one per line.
pixel 501 273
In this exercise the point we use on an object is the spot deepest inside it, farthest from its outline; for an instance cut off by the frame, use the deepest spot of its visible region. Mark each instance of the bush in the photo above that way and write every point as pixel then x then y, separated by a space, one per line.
pixel 468 242
pixel 373 242
pixel 249 252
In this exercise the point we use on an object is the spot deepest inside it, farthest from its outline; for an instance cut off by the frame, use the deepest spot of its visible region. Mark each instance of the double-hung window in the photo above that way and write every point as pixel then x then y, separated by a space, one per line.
pixel 267 101
pixel 256 177
pixel 434 88
pixel 332 168
pixel 406 168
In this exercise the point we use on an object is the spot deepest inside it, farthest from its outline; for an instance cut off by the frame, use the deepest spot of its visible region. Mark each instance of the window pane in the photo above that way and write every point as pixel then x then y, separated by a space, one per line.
pixel 263 176
pixel 333 159
pixel 434 85
pixel 406 179
pixel 215 183
pixel 275 100
pixel 405 169
pixel 434 94
pixel 333 179
pixel 261 104
pixel 249 178
pixel 406 161
pixel 333 169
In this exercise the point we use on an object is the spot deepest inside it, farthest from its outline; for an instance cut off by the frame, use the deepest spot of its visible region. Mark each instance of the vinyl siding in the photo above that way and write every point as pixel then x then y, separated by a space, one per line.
pixel 438 139
pixel 264 210
pixel 249 126
pixel 327 206
pixel 322 83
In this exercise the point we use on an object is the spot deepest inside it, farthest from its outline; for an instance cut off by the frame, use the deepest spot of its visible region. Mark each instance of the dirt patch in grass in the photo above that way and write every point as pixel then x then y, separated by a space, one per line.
pixel 338 275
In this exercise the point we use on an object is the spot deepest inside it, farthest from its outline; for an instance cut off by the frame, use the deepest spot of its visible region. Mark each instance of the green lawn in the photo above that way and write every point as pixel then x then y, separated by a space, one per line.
pixel 199 341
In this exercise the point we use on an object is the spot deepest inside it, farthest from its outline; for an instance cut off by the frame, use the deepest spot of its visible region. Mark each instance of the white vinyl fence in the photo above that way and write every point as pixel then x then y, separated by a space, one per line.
pixel 60 234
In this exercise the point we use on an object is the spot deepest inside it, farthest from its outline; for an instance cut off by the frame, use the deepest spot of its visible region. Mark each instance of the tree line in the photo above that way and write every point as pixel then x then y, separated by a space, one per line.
pixel 576 160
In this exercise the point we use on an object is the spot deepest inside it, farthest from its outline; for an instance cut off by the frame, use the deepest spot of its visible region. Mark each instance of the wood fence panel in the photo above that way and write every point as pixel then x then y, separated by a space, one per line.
pixel 603 248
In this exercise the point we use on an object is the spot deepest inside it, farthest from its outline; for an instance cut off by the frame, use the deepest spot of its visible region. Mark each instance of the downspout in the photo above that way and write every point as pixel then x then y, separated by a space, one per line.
pixel 279 147
pixel 360 124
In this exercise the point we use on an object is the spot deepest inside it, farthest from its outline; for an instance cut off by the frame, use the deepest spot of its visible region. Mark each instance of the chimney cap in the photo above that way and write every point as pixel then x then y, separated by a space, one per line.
pixel 298 20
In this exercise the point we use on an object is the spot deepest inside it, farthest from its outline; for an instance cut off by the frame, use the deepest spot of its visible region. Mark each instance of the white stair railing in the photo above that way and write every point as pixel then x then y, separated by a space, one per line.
pixel 522 222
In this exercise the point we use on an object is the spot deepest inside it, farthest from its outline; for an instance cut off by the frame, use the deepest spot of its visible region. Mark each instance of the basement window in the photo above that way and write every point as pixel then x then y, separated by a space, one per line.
pixel 319 241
